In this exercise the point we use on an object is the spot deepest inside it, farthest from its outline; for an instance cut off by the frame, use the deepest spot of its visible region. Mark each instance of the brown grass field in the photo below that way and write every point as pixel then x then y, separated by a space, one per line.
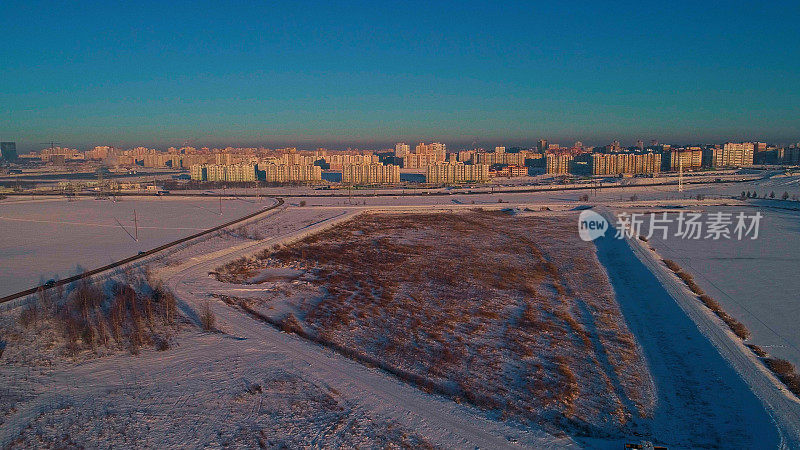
pixel 512 314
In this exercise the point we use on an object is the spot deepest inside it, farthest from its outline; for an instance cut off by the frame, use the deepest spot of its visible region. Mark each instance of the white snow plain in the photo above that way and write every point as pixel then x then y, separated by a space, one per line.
pixel 55 238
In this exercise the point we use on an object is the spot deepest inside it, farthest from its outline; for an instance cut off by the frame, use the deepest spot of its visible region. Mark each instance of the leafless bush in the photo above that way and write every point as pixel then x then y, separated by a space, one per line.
pixel 780 367
pixel 738 328
pixel 207 317
pixel 29 315
pixel 760 352
pixel 785 371
pixel 690 283
pixel 291 325
pixel 710 303
pixel 91 317
pixel 673 266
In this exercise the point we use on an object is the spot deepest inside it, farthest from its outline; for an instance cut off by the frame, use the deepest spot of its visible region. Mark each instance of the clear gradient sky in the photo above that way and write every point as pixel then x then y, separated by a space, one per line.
pixel 369 73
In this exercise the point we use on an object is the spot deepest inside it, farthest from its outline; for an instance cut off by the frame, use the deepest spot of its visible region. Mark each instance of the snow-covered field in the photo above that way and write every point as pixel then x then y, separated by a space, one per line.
pixel 754 280
pixel 51 238
pixel 251 385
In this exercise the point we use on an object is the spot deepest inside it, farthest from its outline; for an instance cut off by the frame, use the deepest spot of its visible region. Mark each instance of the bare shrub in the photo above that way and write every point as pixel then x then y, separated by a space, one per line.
pixel 785 371
pixel 91 317
pixel 291 325
pixel 780 367
pixel 162 343
pixel 710 303
pixel 207 317
pixel 738 328
pixel 673 266
pixel 29 315
pixel 688 280
pixel 760 352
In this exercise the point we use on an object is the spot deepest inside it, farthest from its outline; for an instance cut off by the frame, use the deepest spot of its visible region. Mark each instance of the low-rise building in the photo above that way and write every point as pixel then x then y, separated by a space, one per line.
pixel 512 171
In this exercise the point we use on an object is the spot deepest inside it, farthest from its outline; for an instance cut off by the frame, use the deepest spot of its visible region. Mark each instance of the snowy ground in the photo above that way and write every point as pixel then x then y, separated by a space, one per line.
pixel 702 402
pixel 50 238
pixel 754 280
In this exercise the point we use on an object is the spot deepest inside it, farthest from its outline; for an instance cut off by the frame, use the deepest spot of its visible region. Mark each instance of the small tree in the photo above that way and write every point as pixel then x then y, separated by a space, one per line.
pixel 772 194
pixel 743 195
pixel 785 195
pixel 302 203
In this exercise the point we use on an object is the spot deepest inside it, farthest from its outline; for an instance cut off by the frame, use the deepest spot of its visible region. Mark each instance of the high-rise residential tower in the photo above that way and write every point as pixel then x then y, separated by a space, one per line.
pixel 8 150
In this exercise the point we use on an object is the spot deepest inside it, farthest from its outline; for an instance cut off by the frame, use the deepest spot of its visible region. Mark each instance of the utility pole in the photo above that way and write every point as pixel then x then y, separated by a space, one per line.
pixel 136 225
pixel 680 173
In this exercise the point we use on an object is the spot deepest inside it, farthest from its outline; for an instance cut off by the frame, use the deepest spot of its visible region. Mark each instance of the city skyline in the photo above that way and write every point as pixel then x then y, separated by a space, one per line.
pixel 362 75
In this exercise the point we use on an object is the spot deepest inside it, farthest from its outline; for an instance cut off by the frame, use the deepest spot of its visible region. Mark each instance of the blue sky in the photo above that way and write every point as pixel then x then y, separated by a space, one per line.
pixel 371 73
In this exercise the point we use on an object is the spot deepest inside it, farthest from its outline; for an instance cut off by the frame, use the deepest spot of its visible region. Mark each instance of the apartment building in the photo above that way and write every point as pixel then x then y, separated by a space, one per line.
pixel 445 173
pixel 401 149
pixel 339 161
pixel 690 159
pixel 730 155
pixel 370 174
pixel 619 163
pixel 512 171
pixel 280 173
pixel 219 172
pixel 512 159
pixel 558 164
pixel 419 161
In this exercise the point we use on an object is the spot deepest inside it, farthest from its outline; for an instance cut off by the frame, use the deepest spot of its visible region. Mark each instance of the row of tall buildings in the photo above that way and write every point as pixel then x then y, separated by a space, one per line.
pixel 456 172
pixel 651 162
pixel 269 172
pixel 371 173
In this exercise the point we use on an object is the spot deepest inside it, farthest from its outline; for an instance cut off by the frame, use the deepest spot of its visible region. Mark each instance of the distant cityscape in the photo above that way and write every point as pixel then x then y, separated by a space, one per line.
pixel 435 161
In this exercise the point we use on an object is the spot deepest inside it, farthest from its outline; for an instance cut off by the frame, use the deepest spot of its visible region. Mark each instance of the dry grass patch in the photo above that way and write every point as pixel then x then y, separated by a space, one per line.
pixel 508 313
pixel 117 314
pixel 785 371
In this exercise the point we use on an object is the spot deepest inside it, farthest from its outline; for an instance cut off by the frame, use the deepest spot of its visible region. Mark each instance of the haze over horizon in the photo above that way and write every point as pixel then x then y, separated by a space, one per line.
pixel 361 74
